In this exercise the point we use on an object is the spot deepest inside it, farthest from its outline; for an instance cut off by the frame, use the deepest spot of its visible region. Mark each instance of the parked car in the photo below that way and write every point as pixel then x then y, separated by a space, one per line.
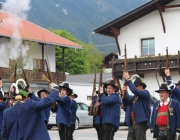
pixel 82 120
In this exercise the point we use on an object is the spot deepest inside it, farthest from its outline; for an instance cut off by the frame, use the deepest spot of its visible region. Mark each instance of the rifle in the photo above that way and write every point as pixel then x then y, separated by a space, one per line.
pixel 167 64
pixel 167 59
pixel 125 69
pixel 125 59
pixel 91 113
pixel 97 109
pixel 15 72
pixel 26 88
pixel 48 71
pixel 49 78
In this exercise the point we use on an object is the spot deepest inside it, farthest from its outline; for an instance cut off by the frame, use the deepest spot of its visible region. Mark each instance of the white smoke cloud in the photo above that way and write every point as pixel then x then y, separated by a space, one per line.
pixel 3 49
pixel 13 23
pixel 24 50
pixel 17 7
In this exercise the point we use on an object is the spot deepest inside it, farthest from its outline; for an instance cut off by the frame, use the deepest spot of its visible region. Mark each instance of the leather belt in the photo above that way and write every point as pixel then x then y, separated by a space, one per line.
pixel 162 128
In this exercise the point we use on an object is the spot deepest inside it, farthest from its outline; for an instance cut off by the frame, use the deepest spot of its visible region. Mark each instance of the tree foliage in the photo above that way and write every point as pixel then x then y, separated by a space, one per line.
pixel 79 61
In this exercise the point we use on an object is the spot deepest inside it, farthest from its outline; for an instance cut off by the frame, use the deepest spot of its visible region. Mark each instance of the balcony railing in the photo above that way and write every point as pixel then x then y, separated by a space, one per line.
pixel 146 65
pixel 32 75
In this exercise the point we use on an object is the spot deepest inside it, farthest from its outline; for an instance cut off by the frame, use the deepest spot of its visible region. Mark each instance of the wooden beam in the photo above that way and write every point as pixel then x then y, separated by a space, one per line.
pixel 116 32
pixel 171 6
pixel 160 9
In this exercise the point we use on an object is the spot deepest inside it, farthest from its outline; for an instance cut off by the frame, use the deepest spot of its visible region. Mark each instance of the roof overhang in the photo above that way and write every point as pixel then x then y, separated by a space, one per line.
pixel 44 42
pixel 32 32
pixel 130 17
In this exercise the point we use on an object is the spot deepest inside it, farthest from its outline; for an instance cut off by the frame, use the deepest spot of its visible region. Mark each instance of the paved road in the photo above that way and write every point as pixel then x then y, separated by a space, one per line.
pixel 90 134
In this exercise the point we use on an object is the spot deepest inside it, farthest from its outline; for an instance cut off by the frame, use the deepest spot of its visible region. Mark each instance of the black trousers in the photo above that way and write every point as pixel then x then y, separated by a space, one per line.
pixel 98 130
pixel 72 128
pixel 63 131
pixel 108 131
pixel 137 131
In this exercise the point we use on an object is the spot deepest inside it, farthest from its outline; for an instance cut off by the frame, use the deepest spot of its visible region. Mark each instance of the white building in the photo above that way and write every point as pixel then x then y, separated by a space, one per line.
pixel 147 31
pixel 82 85
pixel 13 27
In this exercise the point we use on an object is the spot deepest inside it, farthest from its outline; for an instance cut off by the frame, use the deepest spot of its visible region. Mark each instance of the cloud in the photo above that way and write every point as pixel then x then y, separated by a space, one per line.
pixel 65 11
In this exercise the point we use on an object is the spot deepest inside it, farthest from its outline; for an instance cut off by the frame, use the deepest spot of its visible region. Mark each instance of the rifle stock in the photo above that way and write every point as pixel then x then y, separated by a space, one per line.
pixel 15 72
pixel 48 72
pixel 25 79
pixel 97 109
pixel 91 113
pixel 126 70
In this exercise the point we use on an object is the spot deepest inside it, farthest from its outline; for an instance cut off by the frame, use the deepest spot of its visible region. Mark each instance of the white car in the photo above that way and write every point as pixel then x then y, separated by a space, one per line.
pixel 82 120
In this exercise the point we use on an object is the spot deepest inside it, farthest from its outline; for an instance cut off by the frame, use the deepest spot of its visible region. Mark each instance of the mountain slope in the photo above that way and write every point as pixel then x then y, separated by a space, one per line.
pixel 81 17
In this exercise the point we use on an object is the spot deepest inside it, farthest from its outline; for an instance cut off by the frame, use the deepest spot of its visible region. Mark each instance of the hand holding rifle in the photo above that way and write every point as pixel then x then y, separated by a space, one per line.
pixel 1 82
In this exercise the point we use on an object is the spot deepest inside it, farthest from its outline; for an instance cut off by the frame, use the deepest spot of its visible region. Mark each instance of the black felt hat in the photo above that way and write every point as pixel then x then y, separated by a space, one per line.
pixel 178 83
pixel 2 96
pixel 138 81
pixel 75 95
pixel 164 87
pixel 110 82
pixel 66 85
pixel 42 90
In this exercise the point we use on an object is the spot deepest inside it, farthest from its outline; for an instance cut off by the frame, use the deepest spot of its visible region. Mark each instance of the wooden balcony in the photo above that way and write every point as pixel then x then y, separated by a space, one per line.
pixel 33 76
pixel 144 65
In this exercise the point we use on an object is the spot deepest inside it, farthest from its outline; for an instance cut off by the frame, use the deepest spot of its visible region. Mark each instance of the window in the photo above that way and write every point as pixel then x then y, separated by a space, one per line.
pixel 85 107
pixel 147 47
pixel 78 108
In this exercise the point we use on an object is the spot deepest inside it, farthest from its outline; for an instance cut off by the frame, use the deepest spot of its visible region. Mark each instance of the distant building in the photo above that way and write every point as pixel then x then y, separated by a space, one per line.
pixel 82 85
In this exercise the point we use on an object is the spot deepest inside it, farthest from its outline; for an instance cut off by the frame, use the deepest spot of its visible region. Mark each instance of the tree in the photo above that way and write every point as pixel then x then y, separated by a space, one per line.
pixel 84 61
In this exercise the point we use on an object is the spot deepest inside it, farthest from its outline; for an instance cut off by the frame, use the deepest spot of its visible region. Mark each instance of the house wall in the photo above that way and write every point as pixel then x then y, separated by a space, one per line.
pixel 82 90
pixel 4 61
pixel 49 49
pixel 151 26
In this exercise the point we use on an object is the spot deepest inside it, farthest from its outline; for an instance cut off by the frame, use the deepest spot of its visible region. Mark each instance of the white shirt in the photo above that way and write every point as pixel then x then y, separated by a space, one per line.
pixel 166 102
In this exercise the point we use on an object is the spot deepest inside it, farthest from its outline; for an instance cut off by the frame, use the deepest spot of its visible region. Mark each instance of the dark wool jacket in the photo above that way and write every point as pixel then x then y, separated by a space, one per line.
pixel 141 107
pixel 174 118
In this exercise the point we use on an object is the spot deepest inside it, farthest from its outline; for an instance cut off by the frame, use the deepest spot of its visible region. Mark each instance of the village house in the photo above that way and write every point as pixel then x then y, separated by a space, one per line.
pixel 147 31
pixel 46 41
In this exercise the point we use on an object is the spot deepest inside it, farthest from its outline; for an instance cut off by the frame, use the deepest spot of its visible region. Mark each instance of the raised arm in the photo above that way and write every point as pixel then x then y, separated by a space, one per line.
pixel 34 97
pixel 45 102
pixel 139 93
pixel 63 100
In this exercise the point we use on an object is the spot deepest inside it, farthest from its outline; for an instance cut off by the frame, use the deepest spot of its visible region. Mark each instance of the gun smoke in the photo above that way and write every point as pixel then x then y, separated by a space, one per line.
pixel 13 24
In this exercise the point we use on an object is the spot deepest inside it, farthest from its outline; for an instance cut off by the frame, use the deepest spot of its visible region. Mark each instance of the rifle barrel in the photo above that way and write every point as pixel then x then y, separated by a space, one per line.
pixel 125 59
pixel 167 59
